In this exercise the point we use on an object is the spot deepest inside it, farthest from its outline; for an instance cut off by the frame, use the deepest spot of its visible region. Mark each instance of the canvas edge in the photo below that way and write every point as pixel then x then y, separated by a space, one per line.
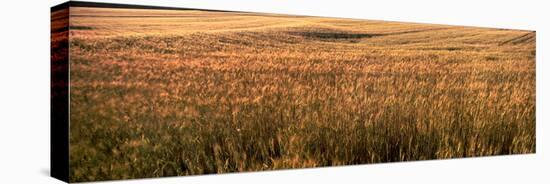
pixel 59 91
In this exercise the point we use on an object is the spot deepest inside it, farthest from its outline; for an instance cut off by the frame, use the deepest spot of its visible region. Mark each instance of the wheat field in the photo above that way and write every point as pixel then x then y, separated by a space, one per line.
pixel 170 92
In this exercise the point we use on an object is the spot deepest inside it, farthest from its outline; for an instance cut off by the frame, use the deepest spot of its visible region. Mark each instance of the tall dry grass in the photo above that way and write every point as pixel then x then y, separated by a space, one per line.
pixel 235 92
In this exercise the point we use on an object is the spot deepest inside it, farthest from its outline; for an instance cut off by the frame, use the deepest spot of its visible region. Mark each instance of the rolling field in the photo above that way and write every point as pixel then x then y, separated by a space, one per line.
pixel 163 92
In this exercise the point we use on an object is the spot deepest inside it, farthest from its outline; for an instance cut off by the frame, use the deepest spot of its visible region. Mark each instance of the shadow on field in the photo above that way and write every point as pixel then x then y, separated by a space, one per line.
pixel 336 35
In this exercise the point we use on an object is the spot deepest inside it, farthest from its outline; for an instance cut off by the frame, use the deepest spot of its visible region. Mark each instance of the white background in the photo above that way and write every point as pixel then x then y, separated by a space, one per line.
pixel 24 90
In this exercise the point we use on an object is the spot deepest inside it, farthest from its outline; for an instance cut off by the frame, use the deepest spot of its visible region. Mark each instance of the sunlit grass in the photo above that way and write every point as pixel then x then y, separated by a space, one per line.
pixel 222 92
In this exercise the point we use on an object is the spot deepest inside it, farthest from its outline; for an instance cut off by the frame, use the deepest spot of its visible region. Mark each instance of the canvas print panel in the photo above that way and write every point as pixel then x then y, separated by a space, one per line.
pixel 158 93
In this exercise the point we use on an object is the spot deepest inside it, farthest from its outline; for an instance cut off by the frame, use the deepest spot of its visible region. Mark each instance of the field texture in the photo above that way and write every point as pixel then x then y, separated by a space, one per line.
pixel 162 92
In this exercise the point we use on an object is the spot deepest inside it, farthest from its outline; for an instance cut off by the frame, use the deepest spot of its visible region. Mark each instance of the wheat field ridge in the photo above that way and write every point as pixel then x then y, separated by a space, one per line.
pixel 185 92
